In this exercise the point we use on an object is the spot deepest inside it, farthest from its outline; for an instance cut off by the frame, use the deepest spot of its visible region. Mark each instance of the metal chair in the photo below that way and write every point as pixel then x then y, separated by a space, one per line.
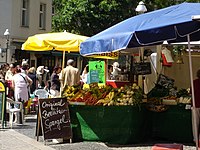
pixel 12 111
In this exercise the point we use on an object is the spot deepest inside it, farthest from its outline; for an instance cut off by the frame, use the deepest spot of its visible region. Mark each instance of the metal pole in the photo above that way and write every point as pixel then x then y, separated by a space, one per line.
pixel 193 98
pixel 7 42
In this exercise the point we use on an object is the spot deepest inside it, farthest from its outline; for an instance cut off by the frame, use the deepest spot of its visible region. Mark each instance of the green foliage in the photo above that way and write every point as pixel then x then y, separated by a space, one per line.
pixel 177 49
pixel 89 17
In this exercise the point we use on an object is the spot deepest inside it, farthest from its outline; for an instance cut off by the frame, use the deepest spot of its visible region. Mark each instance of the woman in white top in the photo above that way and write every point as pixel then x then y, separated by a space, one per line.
pixel 20 83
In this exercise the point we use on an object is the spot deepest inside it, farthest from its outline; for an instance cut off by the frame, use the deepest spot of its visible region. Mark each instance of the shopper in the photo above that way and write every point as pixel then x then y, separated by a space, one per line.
pixel 32 76
pixel 20 84
pixel 25 66
pixel 8 80
pixel 196 84
pixel 40 77
pixel 10 73
pixel 70 75
pixel 55 82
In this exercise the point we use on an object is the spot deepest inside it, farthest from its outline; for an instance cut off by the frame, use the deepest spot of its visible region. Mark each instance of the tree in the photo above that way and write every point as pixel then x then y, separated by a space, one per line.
pixel 89 17
pixel 158 4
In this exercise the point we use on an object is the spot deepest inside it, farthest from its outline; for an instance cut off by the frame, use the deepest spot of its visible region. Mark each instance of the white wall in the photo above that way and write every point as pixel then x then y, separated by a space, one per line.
pixel 10 18
pixel 181 72
pixel 24 32
pixel 5 15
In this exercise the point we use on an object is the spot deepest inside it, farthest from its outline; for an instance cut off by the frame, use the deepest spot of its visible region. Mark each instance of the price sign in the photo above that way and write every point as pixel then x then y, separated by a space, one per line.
pixel 142 68
pixel 97 68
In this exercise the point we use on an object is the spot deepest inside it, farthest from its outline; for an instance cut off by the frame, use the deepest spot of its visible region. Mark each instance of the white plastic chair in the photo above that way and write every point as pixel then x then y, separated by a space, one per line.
pixel 14 110
pixel 41 93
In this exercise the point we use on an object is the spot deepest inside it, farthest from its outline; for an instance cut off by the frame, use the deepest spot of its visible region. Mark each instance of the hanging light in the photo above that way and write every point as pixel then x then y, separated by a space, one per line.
pixel 141 8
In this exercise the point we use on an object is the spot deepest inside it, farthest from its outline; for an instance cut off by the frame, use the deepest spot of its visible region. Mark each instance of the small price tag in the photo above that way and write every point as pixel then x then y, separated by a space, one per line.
pixel 187 106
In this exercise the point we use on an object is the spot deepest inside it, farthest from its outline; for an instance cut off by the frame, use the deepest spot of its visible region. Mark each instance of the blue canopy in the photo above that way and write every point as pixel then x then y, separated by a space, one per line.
pixel 173 24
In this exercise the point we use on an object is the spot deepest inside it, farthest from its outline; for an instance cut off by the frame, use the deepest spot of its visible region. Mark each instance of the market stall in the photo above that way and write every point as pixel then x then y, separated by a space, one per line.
pixel 105 114
pixel 108 124
pixel 173 24
pixel 173 125
pixel 120 116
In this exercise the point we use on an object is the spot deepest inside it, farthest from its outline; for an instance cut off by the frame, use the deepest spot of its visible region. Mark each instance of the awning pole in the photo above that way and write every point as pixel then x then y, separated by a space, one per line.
pixel 193 98
pixel 63 62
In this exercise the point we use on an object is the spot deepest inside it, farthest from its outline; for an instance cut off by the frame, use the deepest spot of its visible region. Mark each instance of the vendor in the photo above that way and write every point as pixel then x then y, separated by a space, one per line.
pixel 116 71
pixel 84 75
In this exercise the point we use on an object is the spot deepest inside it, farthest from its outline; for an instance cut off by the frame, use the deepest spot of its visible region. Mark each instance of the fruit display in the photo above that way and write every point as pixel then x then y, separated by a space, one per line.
pixel 105 95
pixel 185 100
pixel 181 96
pixel 70 91
pixel 126 95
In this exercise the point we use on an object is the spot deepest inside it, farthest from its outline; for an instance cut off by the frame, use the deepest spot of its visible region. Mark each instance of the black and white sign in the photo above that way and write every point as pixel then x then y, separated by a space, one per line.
pixel 142 68
pixel 55 119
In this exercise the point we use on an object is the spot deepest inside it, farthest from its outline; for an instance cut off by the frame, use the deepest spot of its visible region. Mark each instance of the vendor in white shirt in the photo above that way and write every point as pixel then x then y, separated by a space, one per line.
pixel 84 75
pixel 116 71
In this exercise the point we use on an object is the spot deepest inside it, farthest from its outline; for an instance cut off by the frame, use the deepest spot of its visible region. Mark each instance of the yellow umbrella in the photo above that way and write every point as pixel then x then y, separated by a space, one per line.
pixel 61 41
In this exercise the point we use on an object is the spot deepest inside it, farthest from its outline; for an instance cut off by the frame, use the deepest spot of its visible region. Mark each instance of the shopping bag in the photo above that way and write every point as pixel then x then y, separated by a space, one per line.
pixel 166 57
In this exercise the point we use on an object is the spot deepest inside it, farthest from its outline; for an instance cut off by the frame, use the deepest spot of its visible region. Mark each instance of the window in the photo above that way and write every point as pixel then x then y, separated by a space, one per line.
pixel 42 21
pixel 25 13
pixel 53 11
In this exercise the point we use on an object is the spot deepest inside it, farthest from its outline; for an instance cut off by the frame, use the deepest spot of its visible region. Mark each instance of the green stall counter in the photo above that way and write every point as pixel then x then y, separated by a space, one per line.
pixel 175 124
pixel 113 124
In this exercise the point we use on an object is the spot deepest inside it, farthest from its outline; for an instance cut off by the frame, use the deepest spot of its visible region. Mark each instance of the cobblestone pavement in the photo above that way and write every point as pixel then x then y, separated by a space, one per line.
pixel 28 129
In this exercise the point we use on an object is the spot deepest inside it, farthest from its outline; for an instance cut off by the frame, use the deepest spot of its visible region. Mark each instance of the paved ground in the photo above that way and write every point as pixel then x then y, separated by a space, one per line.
pixel 22 137
pixel 12 140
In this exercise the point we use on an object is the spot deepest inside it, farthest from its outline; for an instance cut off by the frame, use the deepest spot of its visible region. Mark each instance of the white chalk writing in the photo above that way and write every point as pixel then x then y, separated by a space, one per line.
pixel 46 114
pixel 55 123
pixel 52 105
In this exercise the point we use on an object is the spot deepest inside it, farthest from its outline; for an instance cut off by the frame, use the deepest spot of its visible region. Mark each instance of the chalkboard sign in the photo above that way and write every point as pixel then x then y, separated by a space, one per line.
pixel 165 81
pixel 142 68
pixel 54 118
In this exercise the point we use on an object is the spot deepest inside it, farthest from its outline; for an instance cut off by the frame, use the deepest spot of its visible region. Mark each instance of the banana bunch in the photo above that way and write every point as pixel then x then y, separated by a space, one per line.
pixel 185 100
pixel 68 92
pixel 108 100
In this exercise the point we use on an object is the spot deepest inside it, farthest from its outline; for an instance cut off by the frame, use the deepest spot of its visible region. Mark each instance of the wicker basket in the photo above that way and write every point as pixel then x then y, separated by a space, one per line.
pixel 156 108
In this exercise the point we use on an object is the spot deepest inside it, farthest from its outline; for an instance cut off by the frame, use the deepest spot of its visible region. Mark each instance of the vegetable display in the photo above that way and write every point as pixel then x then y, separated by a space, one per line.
pixel 106 95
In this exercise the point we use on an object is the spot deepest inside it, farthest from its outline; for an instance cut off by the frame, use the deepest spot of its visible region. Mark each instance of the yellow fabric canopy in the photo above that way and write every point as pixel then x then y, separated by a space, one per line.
pixel 60 41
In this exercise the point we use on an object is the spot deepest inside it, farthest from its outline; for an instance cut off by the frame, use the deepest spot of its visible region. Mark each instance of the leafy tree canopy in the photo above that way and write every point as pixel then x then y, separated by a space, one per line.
pixel 89 17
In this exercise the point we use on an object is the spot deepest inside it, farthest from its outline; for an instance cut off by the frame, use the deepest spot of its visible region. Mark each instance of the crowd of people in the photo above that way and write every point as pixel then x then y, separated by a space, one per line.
pixel 21 80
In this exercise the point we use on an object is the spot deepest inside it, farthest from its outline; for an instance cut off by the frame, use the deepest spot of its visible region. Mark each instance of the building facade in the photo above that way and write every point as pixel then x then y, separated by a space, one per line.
pixel 22 18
